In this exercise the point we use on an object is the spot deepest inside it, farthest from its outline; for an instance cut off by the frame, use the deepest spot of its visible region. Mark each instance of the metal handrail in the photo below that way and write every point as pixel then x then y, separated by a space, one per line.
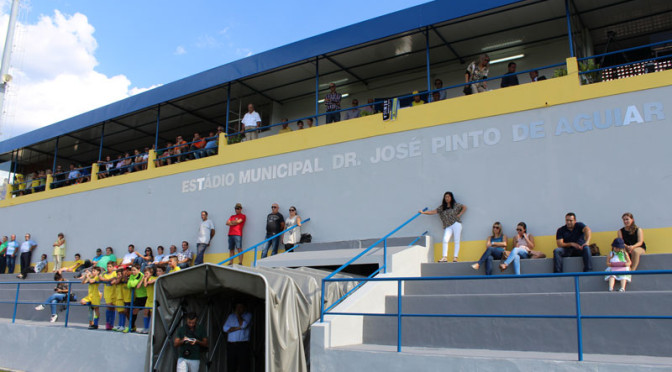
pixel 260 243
pixel 626 64
pixel 625 50
pixel 577 296
pixel 383 267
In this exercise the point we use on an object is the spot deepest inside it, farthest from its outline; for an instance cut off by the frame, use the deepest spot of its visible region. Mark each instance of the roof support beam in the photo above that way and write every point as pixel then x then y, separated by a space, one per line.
pixel 447 44
pixel 194 114
pixel 137 130
pixel 258 92
pixel 89 142
pixel 343 68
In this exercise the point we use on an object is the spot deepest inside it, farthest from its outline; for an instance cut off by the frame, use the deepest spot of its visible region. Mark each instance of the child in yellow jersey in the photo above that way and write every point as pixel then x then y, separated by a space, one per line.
pixel 93 299
pixel 110 294
pixel 151 274
pixel 172 265
pixel 120 288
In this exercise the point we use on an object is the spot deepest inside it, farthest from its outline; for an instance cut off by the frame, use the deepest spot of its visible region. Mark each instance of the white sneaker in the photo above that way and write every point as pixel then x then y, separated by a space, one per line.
pixel 39 307
pixel 53 318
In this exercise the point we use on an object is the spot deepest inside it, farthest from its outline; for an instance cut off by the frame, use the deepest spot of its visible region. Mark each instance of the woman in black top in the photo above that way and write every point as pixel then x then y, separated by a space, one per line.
pixel 633 236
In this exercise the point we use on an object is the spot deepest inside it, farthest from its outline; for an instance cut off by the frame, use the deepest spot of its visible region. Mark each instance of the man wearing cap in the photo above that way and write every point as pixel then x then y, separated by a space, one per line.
pixel 573 240
pixel 206 232
pixel 417 100
pixel 236 223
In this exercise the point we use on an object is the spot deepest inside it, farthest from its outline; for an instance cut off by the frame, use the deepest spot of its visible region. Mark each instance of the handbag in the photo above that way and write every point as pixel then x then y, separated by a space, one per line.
pixel 537 254
pixel 594 250
pixel 467 90
pixel 306 238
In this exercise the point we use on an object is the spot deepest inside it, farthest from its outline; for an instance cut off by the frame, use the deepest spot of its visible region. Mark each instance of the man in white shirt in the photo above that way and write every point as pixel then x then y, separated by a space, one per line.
pixel 251 121
pixel 237 327
pixel 131 257
pixel 205 233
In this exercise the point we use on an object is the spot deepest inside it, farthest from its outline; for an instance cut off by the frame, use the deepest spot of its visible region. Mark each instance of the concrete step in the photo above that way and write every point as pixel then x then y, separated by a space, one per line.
pixel 542 266
pixel 600 336
pixel 494 285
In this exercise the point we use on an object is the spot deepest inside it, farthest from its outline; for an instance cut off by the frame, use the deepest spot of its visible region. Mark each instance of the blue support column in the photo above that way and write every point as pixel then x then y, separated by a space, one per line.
pixel 429 81
pixel 158 121
pixel 317 91
pixel 53 168
pixel 228 107
pixel 569 29
pixel 100 150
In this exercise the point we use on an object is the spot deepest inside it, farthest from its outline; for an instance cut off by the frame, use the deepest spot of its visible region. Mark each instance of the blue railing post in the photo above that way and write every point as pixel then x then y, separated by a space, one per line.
pixel 577 295
pixel 385 256
pixel 399 316
pixel 255 257
pixel 16 301
pixel 130 311
pixel 67 304
pixel 322 304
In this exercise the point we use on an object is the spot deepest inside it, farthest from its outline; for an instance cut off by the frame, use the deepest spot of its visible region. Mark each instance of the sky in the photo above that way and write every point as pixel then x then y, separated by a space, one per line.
pixel 72 56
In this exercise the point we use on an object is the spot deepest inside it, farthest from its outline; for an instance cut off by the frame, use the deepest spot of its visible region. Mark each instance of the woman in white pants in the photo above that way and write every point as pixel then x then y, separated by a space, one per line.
pixel 450 213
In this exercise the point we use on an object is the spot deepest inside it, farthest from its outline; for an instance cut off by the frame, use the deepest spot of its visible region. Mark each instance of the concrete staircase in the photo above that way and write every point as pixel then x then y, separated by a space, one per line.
pixel 645 295
pixel 38 293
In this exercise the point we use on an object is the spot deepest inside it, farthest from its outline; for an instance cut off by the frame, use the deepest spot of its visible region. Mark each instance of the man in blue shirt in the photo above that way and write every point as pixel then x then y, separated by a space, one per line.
pixel 237 327
pixel 573 240
pixel 27 248
pixel 10 253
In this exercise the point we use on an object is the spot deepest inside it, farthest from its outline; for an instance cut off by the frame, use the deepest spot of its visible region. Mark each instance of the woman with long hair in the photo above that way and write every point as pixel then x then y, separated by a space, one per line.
pixel 450 212
pixel 523 243
pixel 494 249
pixel 633 236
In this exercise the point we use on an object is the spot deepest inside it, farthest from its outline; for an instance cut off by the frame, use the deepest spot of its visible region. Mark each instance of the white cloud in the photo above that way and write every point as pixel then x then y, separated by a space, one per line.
pixel 53 66
pixel 243 52
pixel 180 50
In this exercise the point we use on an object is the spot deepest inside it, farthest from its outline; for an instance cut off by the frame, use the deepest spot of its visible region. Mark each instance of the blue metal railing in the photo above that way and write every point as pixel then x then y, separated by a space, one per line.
pixel 577 297
pixel 365 251
pixel 65 303
pixel 256 246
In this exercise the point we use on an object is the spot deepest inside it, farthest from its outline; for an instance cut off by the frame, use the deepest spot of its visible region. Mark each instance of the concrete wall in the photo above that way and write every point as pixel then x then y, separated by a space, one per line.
pixel 532 165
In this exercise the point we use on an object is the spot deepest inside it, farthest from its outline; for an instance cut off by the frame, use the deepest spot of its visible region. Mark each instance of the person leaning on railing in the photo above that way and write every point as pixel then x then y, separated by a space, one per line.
pixel 476 74
pixel 450 212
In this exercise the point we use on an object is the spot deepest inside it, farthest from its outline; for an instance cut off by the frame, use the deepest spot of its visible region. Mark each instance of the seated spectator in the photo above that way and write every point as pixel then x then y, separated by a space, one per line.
pixel 172 264
pixel 119 167
pixel 60 295
pixel 633 236
pixel 285 128
pixel 494 249
pixel 147 258
pixel 181 147
pixel 438 84
pixel 509 81
pixel 59 177
pixel 213 141
pixel 476 74
pixel 166 155
pixel 137 161
pixel 75 266
pixel 618 260
pixel 145 158
pixel 41 265
pixel 197 146
pixel 127 163
pixel 105 167
pixel 40 183
pixel 523 243
pixel 73 175
pixel 309 122
pixel 354 111
pixel 84 174
pixel 436 96
pixel 97 257
pixel 109 257
pixel 299 125
pixel 417 100
pixel 158 259
pixel 131 257
pixel 369 109
pixel 534 76
pixel 93 297
pixel 184 257
pixel 573 239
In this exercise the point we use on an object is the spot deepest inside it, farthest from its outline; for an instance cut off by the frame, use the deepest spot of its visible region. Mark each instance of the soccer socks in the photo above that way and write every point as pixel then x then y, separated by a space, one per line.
pixel 147 322
pixel 122 320
pixel 95 319
pixel 109 318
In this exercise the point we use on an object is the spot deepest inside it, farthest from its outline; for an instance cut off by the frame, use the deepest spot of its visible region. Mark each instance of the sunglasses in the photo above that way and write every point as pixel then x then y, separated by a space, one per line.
pixel 274 207
pixel 519 229
pixel 495 227
pixel 239 208
pixel 292 210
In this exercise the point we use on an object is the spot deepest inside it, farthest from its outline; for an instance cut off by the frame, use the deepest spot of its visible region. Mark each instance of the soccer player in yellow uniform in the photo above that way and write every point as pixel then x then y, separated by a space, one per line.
pixel 110 294
pixel 151 274
pixel 93 298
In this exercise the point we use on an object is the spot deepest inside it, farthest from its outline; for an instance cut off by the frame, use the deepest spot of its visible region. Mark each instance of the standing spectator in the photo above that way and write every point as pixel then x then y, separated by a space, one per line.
pixel 438 84
pixel 333 103
pixel 290 238
pixel 236 223
pixel 10 253
pixel 285 128
pixel 251 121
pixel 237 328
pixel 509 81
pixel 60 296
pixel 27 248
pixel 59 251
pixel 206 232
pixel 184 256
pixel 369 109
pixel 476 73
pixel 354 112
pixel 3 258
pixel 131 257
pixel 573 239
pixel 450 212
pixel 189 340
pixel 494 248
pixel 633 236
pixel 275 223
